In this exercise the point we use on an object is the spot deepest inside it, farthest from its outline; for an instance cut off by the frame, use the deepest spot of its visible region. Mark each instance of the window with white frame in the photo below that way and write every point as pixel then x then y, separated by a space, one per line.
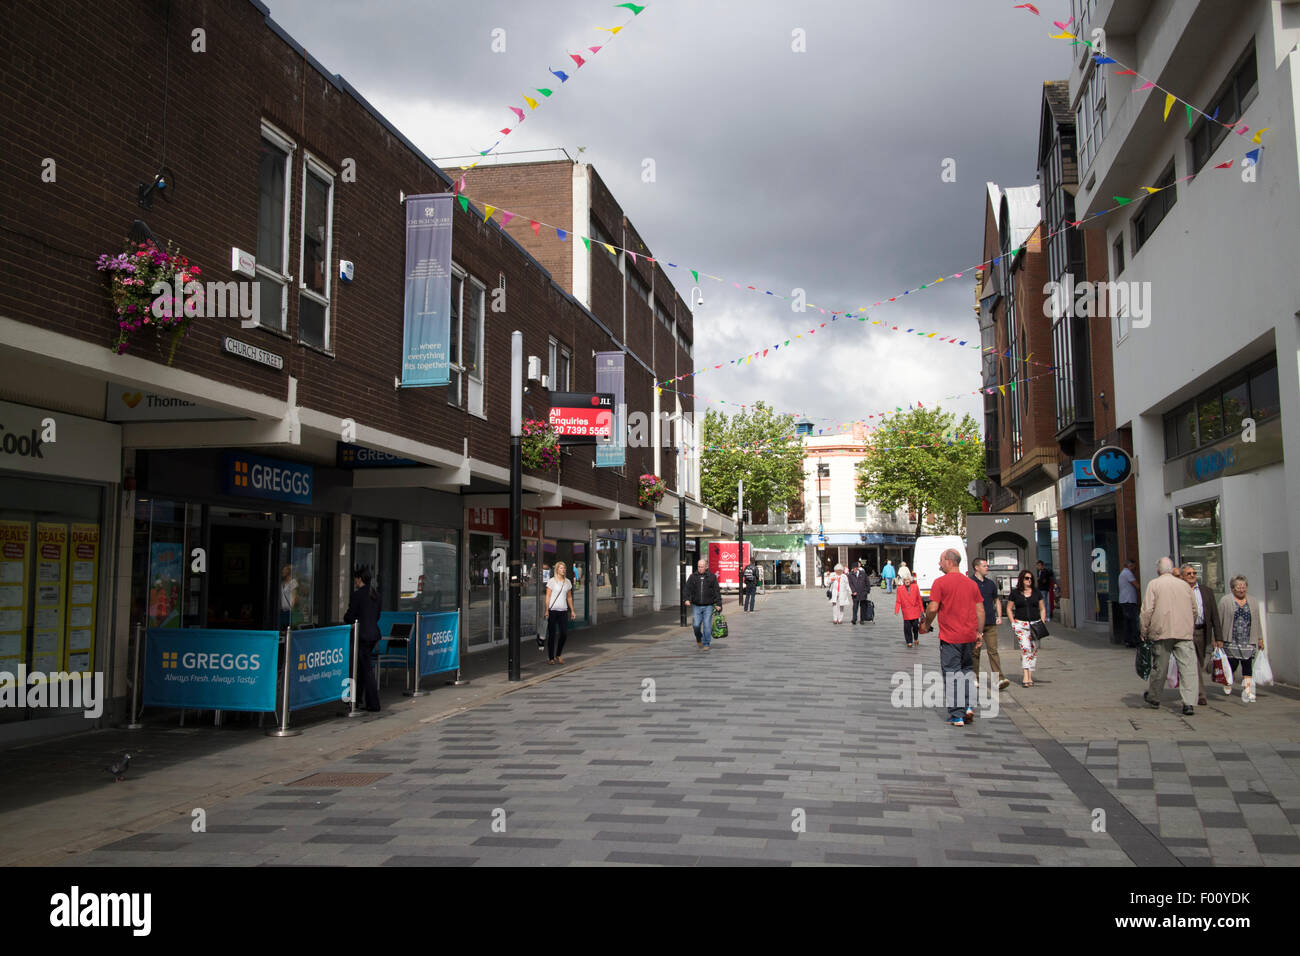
pixel 455 369
pixel 471 340
pixel 1090 118
pixel 561 360
pixel 862 511
pixel 274 173
pixel 314 263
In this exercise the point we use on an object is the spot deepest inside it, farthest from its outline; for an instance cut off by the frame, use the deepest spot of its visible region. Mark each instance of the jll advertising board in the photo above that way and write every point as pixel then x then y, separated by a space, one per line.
pixel 723 561
pixel 580 418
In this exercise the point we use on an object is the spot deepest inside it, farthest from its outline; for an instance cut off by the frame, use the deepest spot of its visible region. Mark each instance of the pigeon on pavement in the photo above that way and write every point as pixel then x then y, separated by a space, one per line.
pixel 118 770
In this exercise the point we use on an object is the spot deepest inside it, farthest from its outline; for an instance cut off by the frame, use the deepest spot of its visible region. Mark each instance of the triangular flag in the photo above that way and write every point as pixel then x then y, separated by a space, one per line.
pixel 609 248
pixel 594 49
pixel 1191 115
pixel 543 91
pixel 561 235
pixel 1121 200
pixel 613 30
pixel 506 131
pixel 518 112
pixel 464 203
pixel 1151 189
pixel 696 274
pixel 1126 73
pixel 560 73
pixel 1227 165
pixel 1259 133
pixel 632 255
pixel 1100 58
pixel 1169 103
pixel 532 103
pixel 536 226
pixel 506 217
pixel 488 211
pixel 577 59
pixel 1145 86
pixel 631 6
pixel 1063 36
pixel 586 242
pixel 1253 156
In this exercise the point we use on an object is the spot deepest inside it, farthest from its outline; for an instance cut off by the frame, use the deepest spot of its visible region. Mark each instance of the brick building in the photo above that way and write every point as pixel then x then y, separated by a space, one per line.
pixel 259 148
pixel 1020 414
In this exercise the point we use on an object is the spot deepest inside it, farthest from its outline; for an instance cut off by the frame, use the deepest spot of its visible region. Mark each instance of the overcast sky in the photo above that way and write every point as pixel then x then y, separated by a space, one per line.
pixel 818 170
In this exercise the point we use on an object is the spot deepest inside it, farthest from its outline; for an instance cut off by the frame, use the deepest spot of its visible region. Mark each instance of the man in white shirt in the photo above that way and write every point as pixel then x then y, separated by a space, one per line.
pixel 1128 601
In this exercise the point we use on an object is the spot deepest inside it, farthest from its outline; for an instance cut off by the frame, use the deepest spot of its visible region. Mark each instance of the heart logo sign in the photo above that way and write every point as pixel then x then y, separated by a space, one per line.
pixel 132 399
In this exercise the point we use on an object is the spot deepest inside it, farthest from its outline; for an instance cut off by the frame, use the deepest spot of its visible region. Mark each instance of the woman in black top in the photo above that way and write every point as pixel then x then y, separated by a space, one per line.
pixel 1026 605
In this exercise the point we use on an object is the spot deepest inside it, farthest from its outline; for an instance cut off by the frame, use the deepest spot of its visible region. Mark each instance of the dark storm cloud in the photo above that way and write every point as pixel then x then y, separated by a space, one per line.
pixel 818 170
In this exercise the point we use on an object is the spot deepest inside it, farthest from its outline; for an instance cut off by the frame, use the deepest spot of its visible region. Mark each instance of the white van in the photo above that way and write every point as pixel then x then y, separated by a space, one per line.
pixel 925 559
pixel 429 575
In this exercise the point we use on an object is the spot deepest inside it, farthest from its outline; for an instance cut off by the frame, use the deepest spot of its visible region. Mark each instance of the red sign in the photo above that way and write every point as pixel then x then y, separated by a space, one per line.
pixel 497 521
pixel 723 562
pixel 581 418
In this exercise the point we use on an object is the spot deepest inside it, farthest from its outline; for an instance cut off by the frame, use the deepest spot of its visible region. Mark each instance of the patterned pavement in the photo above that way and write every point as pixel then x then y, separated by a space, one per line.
pixel 780 746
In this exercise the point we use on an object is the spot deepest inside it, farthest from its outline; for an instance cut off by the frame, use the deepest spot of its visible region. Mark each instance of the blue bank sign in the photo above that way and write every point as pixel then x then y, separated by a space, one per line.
pixel 251 476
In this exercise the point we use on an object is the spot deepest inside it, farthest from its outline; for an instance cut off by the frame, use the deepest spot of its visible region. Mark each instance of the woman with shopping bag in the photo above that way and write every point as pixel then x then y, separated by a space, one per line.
pixel 1242 627
pixel 1027 605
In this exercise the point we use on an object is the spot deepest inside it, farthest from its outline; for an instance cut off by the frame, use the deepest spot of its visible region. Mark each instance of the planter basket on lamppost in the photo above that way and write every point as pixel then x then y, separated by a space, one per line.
pixel 651 491
pixel 540 445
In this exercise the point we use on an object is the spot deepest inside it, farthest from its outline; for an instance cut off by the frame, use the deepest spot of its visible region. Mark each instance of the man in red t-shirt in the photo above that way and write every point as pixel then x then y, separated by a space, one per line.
pixel 956 600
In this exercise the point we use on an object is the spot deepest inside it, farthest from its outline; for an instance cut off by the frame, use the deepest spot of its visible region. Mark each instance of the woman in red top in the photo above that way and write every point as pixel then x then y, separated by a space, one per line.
pixel 908 602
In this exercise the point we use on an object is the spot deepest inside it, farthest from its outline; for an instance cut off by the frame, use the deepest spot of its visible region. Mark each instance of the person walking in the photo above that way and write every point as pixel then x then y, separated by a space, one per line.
pixel 956 602
pixel 363 608
pixel 749 585
pixel 992 620
pixel 702 595
pixel 841 594
pixel 889 574
pixel 559 611
pixel 1047 587
pixel 1026 604
pixel 907 601
pixel 859 587
pixel 1241 633
pixel 1168 619
pixel 1128 601
pixel 1206 633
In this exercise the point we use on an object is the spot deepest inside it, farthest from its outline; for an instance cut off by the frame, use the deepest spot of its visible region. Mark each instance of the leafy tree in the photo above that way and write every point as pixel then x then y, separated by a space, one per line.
pixel 756 446
pixel 923 461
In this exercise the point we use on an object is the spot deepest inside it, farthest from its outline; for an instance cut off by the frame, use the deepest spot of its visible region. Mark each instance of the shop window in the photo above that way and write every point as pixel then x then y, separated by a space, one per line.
pixel 1155 209
pixel 314 265
pixel 609 577
pixel 52 552
pixel 1236 406
pixel 1264 397
pixel 642 566
pixel 301 582
pixel 1209 417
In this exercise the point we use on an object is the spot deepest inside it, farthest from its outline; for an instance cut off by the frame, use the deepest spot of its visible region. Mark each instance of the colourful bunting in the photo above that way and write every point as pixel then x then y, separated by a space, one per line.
pixel 560 73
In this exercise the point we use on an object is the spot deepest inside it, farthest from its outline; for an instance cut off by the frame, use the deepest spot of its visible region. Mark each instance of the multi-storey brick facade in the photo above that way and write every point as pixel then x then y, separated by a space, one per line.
pixel 85 124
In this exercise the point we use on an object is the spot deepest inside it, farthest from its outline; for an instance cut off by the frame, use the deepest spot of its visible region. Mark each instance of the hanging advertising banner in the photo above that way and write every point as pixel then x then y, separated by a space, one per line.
pixel 49 623
pixel 15 552
pixel 581 418
pixel 426 342
pixel 83 575
pixel 320 665
pixel 203 669
pixel 612 452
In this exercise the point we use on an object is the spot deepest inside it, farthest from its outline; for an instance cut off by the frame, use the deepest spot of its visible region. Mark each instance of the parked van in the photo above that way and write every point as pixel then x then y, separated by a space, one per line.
pixel 429 575
pixel 925 559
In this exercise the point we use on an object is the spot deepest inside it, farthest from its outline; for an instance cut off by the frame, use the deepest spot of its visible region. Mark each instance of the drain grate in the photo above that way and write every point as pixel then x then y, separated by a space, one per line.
pixel 339 780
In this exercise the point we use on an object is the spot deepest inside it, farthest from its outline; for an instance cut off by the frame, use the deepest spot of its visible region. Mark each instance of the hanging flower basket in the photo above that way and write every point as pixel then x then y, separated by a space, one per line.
pixel 651 491
pixel 541 446
pixel 133 275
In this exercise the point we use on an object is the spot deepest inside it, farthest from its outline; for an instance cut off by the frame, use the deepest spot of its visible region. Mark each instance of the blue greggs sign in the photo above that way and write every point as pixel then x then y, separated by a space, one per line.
pixel 439 642
pixel 251 476
pixel 211 669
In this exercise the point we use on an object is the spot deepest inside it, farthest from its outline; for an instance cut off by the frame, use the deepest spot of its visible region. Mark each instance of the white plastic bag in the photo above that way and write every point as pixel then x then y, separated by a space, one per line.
pixel 1171 681
pixel 1262 671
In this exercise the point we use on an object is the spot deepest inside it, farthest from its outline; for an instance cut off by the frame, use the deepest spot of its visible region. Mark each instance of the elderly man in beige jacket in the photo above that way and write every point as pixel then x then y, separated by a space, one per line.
pixel 1168 621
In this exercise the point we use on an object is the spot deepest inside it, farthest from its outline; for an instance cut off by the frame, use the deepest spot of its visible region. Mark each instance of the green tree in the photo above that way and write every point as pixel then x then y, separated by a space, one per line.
pixel 921 460
pixel 756 446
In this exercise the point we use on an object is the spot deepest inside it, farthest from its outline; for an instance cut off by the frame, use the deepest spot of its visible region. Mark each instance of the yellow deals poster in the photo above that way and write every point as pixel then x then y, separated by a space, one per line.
pixel 49 624
pixel 83 581
pixel 15 552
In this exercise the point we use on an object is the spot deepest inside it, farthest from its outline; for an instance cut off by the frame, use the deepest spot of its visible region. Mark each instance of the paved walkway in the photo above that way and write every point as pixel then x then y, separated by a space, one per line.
pixel 780 746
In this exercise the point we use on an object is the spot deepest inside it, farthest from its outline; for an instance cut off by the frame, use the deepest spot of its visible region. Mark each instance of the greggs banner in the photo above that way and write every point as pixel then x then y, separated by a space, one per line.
pixel 439 642
pixel 581 418
pixel 203 669
pixel 612 452
pixel 320 665
pixel 426 342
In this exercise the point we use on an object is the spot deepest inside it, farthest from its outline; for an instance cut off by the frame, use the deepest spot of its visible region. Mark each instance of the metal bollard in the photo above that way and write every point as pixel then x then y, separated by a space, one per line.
pixel 352 709
pixel 283 730
pixel 135 680
pixel 415 638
